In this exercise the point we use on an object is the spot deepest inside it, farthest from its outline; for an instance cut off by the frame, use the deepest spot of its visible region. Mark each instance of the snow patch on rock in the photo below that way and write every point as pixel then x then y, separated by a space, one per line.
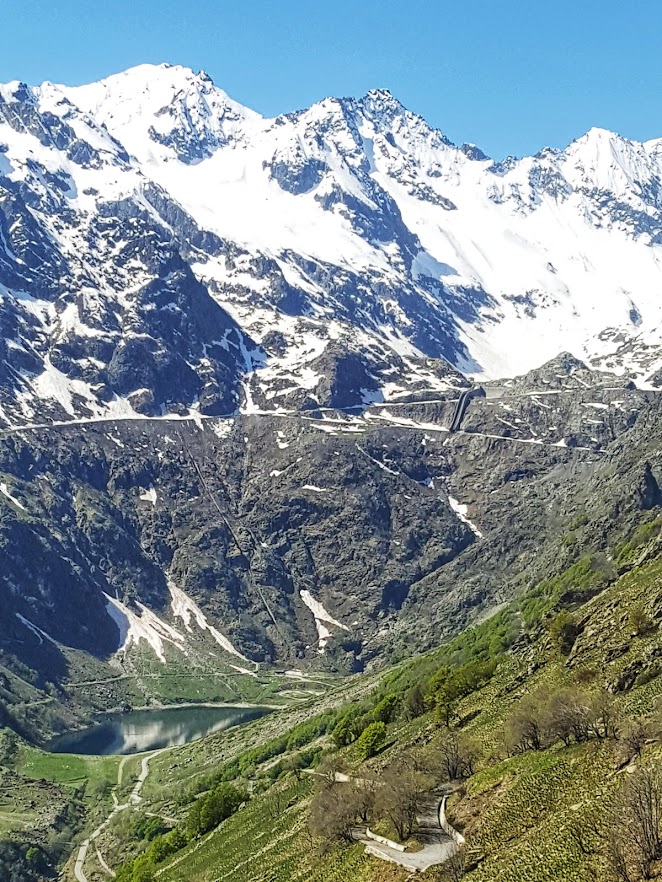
pixel 186 609
pixel 5 492
pixel 41 635
pixel 461 511
pixel 322 620
pixel 145 626
pixel 149 495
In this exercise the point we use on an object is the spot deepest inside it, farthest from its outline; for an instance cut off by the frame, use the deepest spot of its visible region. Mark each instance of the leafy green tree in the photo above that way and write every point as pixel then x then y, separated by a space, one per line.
pixel 371 740
pixel 386 710
pixel 214 807
pixel 170 843
pixel 344 732
pixel 415 704
pixel 444 690
pixel 143 869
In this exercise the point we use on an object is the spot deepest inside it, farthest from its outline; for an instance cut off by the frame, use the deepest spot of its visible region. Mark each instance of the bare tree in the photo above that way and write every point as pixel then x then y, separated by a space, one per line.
pixel 400 797
pixel 451 757
pixel 603 716
pixel 567 716
pixel 338 807
pixel 332 814
pixel 328 769
pixel 634 840
pixel 524 729
pixel 617 856
pixel 635 736
pixel 644 804
pixel 361 794
pixel 276 801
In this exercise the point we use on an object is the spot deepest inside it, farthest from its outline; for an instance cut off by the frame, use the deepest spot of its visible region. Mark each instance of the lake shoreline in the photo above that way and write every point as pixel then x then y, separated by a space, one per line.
pixel 240 705
pixel 140 730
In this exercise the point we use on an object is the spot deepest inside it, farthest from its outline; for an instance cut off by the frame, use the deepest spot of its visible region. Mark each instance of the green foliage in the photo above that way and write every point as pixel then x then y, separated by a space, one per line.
pixel 244 766
pixel 303 759
pixel 205 814
pixel 640 622
pixel 148 828
pixel 387 709
pixel 448 685
pixel 572 586
pixel 641 536
pixel 483 643
pixel 348 727
pixel 263 845
pixel 8 747
pixel 563 632
pixel 214 807
pixel 649 674
pixel 415 702
pixel 167 844
pixel 19 863
pixel 371 740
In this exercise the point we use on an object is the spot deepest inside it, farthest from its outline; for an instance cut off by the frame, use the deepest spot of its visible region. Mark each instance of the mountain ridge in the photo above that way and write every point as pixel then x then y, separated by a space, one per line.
pixel 351 226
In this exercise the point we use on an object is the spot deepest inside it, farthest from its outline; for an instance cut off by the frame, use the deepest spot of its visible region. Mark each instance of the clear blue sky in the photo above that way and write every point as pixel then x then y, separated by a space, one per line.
pixel 511 76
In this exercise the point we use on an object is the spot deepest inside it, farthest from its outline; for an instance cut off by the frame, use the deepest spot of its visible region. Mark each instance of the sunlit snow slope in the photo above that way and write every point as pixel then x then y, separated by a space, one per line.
pixel 163 248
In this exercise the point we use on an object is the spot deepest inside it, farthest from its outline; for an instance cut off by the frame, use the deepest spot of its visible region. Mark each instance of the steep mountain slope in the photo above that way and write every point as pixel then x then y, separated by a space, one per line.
pixel 154 232
pixel 317 540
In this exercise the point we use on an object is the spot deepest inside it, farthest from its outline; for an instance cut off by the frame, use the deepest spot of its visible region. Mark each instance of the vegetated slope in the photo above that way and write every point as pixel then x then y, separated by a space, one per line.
pixel 554 714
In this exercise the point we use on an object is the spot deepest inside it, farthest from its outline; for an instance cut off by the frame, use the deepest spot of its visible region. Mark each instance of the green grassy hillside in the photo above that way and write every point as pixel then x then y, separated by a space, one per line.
pixel 528 814
pixel 537 800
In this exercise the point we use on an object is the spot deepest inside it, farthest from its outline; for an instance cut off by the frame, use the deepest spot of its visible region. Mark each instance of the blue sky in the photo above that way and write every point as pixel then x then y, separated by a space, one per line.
pixel 509 76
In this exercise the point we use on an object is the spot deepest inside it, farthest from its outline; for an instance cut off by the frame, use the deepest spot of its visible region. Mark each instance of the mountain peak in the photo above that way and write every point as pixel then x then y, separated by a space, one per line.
pixel 384 95
pixel 162 107
pixel 146 84
pixel 597 133
pixel 381 102
pixel 14 91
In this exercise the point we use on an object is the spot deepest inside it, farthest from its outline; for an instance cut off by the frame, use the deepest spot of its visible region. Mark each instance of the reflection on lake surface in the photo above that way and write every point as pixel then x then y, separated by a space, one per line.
pixel 141 730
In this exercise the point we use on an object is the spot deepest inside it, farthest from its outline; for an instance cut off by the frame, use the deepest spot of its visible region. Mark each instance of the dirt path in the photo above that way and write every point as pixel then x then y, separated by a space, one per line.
pixel 134 799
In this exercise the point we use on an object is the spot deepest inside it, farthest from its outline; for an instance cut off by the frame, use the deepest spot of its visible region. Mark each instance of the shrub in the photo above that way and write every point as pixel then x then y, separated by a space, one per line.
pixel 415 703
pixel 348 727
pixel 213 808
pixel 386 710
pixel 563 632
pixel 640 622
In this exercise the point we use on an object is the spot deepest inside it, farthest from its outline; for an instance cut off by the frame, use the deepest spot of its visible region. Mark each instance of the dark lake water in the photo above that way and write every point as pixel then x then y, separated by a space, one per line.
pixel 141 730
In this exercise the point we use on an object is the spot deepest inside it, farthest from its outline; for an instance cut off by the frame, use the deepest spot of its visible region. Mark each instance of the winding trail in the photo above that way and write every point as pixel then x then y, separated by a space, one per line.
pixel 440 841
pixel 134 799
pixel 348 426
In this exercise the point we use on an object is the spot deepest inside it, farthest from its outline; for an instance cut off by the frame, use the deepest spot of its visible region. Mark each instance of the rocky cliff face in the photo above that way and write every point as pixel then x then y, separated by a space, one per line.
pixel 320 539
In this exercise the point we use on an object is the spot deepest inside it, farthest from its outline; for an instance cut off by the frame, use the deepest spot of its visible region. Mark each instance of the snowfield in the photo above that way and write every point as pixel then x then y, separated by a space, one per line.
pixel 350 226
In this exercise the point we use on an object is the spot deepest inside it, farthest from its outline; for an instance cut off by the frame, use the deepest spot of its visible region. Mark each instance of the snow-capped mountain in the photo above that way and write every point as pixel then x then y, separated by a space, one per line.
pixel 163 248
